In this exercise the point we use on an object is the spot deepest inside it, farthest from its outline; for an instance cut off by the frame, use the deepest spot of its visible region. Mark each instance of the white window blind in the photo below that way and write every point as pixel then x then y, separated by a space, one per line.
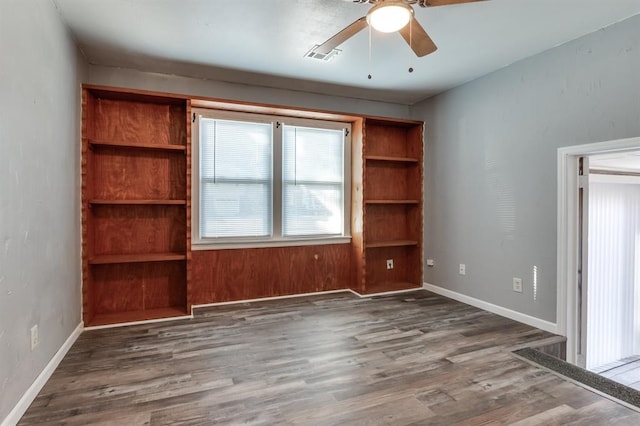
pixel 613 323
pixel 313 181
pixel 235 178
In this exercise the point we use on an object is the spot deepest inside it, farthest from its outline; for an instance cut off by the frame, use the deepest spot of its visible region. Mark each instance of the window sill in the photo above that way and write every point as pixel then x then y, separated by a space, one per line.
pixel 200 246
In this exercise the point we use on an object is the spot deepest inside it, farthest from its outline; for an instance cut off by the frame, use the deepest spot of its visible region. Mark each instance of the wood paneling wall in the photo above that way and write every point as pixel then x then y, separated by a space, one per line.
pixel 238 274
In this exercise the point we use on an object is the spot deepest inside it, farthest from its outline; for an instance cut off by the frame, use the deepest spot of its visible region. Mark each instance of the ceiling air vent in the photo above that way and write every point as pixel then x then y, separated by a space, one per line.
pixel 321 56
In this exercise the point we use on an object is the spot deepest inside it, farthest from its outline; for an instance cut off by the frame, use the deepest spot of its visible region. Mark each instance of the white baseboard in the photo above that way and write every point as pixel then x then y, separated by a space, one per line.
pixel 499 310
pixel 23 404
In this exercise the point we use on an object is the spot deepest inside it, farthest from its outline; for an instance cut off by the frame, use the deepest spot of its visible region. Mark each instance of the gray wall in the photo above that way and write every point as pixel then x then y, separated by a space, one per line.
pixel 39 191
pixel 490 162
pixel 40 75
pixel 122 77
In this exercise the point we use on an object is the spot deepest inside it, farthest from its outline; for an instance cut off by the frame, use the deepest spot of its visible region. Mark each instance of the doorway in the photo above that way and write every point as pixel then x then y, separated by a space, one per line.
pixel 612 258
pixel 598 300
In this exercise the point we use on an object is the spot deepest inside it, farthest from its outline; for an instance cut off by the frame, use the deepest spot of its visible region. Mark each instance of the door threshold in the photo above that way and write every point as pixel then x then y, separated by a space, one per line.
pixel 620 393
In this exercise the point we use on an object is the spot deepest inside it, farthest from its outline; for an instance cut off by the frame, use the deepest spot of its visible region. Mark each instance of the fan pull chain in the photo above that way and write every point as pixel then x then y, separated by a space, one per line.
pixel 369 76
pixel 411 41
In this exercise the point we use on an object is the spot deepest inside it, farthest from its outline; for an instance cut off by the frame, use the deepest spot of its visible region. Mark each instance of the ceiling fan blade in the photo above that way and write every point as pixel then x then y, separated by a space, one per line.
pixel 431 3
pixel 417 38
pixel 342 36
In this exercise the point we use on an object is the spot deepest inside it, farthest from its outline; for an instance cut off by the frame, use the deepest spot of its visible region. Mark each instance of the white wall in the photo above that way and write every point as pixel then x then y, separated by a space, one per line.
pixel 39 191
pixel 123 77
pixel 490 162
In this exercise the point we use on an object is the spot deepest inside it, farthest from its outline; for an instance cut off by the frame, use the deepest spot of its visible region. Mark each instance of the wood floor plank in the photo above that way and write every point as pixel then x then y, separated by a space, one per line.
pixel 413 358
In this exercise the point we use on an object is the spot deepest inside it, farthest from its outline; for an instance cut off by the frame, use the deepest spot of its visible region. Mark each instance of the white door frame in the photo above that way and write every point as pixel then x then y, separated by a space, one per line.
pixel 567 272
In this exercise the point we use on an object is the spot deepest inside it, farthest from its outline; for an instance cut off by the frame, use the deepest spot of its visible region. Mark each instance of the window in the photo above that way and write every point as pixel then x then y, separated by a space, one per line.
pixel 264 181
pixel 235 178
pixel 312 181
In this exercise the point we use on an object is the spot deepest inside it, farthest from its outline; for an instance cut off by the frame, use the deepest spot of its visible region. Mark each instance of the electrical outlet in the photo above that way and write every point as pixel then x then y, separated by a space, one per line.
pixel 389 263
pixel 430 262
pixel 517 284
pixel 463 269
pixel 34 336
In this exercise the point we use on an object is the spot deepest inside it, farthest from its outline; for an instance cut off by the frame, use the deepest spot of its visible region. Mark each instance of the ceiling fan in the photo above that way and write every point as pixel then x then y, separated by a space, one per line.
pixel 391 16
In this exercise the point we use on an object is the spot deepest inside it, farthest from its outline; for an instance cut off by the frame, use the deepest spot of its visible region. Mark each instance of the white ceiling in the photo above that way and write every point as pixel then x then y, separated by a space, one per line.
pixel 262 42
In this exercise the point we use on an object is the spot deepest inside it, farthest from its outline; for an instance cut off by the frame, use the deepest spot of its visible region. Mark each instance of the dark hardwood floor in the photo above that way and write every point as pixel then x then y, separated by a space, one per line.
pixel 415 358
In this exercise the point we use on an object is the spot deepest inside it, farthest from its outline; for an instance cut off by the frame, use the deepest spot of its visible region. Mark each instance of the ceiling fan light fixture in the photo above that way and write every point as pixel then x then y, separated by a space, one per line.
pixel 389 16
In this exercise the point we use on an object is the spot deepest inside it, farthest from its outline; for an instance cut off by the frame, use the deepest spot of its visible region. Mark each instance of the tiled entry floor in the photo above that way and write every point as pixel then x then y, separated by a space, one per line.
pixel 625 371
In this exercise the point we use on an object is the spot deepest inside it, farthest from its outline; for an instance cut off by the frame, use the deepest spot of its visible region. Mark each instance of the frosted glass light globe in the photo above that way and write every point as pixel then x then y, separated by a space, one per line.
pixel 388 17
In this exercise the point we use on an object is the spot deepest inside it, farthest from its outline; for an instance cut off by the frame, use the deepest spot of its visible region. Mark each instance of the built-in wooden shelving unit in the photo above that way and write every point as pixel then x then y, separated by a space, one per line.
pixel 388 204
pixel 136 214
pixel 134 218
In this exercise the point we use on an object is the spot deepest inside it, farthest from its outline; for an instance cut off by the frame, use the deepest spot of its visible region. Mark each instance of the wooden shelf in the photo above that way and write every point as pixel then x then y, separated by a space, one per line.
pixel 139 202
pixel 391 243
pixel 143 146
pixel 132 316
pixel 391 159
pixel 135 258
pixel 392 201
